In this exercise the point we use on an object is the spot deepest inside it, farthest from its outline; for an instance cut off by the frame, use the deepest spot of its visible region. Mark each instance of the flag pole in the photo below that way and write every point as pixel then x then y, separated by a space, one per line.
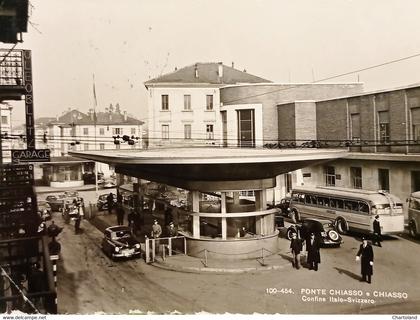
pixel 94 128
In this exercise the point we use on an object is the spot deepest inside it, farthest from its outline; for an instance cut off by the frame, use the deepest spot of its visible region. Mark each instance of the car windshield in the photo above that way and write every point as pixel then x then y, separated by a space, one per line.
pixel 120 234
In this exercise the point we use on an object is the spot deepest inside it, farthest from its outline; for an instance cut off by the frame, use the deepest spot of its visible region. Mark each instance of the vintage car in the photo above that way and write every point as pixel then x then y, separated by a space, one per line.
pixel 324 229
pixel 44 210
pixel 55 201
pixel 283 206
pixel 102 203
pixel 109 184
pixel 119 242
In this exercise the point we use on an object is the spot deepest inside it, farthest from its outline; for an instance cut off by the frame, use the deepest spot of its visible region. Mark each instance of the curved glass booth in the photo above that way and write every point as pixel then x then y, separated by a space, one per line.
pixel 217 222
pixel 221 225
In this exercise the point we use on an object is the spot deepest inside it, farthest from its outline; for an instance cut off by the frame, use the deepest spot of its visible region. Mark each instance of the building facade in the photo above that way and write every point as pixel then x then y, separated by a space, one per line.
pixel 382 131
pixel 184 106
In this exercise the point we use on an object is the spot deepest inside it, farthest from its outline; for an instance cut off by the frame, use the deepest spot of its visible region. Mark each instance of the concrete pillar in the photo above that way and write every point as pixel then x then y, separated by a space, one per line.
pixel 236 197
pixel 196 208
pixel 223 211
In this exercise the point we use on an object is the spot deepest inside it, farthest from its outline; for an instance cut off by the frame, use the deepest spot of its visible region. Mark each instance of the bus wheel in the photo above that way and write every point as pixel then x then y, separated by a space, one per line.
pixel 295 216
pixel 341 225
pixel 413 230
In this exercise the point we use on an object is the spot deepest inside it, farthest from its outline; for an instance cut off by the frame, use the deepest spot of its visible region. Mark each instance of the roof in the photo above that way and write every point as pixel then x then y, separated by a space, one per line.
pixel 206 73
pixel 102 118
pixel 376 196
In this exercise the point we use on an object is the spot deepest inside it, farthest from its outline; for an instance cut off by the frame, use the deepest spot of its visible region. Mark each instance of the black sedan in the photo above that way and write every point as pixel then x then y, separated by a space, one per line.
pixel 119 242
pixel 102 203
pixel 324 229
pixel 55 201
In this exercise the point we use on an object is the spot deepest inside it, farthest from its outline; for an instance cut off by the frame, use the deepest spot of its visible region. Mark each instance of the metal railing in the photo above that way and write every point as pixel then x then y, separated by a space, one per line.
pixel 151 244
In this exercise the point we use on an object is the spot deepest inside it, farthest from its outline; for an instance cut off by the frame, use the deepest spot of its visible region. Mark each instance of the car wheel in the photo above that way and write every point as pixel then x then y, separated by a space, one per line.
pixel 413 229
pixel 289 233
pixel 333 235
pixel 341 225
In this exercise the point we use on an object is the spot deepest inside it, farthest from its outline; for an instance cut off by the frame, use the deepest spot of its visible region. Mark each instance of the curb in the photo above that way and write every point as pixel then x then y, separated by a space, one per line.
pixel 202 270
pixel 53 190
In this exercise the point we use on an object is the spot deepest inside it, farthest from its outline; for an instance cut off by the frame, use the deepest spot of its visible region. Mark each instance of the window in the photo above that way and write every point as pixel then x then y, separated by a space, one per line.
pixel 133 130
pixel 356 177
pixel 209 102
pixel 246 128
pixel 416 132
pixel 363 207
pixel 415 121
pixel 165 102
pixel 102 146
pixel 85 146
pixel 165 131
pixel 3 119
pixel 85 131
pixel 101 131
pixel 209 132
pixel 383 179
pixel 288 182
pixel 383 126
pixel 351 205
pixel 187 131
pixel 355 127
pixel 329 176
pixel 187 102
pixel 116 131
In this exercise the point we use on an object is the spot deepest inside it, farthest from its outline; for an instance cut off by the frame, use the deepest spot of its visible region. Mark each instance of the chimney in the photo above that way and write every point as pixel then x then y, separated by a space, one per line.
pixel 220 70
pixel 245 70
pixel 125 115
pixel 233 64
pixel 91 114
pixel 117 108
pixel 111 108
pixel 196 70
pixel 176 68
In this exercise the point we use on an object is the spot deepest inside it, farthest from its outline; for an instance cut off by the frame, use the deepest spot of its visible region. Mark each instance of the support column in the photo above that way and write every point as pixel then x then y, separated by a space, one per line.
pixel 196 208
pixel 223 211
pixel 236 197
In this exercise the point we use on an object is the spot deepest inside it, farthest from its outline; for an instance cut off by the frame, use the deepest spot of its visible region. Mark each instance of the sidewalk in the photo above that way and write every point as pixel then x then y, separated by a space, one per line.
pixel 47 189
pixel 188 264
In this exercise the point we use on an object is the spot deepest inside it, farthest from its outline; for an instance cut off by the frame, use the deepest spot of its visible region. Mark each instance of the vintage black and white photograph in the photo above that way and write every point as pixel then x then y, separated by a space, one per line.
pixel 209 157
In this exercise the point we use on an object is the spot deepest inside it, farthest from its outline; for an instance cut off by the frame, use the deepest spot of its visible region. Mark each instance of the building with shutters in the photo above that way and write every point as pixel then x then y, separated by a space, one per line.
pixel 382 129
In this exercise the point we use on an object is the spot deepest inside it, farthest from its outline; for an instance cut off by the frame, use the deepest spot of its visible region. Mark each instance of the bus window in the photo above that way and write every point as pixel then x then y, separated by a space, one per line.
pixel 314 199
pixel 307 199
pixel 302 198
pixel 323 201
pixel 333 203
pixel 351 205
pixel 295 196
pixel 363 207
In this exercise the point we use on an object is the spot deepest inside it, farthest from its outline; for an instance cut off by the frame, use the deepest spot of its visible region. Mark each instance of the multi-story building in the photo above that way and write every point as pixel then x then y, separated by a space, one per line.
pixel 184 106
pixel 78 131
pixel 382 130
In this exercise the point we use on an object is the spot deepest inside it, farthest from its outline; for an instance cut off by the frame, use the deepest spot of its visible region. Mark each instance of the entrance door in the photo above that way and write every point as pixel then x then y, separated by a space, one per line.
pixel 415 181
pixel 246 128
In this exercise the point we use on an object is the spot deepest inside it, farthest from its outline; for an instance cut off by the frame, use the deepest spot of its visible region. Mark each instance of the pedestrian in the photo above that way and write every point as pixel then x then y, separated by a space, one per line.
pixel 377 234
pixel 312 247
pixel 54 247
pixel 120 214
pixel 366 252
pixel 156 230
pixel 171 230
pixel 53 230
pixel 110 201
pixel 42 229
pixel 77 222
pixel 131 220
pixel 296 248
pixel 119 198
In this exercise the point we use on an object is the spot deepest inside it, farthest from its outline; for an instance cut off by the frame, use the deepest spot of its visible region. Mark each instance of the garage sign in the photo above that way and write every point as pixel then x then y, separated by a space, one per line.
pixel 31 155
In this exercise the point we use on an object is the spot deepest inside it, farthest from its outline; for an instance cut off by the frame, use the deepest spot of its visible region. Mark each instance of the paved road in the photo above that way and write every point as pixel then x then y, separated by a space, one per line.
pixel 89 282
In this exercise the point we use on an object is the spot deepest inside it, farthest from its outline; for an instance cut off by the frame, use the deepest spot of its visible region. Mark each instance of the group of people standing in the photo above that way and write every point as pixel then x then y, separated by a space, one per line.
pixel 313 243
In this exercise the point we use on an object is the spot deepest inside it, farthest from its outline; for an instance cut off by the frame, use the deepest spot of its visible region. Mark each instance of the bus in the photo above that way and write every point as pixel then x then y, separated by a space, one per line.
pixel 350 209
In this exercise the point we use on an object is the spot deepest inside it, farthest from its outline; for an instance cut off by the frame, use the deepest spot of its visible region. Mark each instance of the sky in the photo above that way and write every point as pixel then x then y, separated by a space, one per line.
pixel 124 43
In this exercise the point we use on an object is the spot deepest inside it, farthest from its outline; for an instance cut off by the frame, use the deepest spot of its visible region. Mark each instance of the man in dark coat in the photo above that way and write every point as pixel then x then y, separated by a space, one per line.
pixel 366 252
pixel 312 247
pixel 110 201
pixel 120 214
pixel 377 235
pixel 296 248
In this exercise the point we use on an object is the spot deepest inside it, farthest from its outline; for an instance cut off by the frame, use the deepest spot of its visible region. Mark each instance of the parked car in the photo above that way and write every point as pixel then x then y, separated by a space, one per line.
pixel 44 210
pixel 414 214
pixel 324 229
pixel 108 184
pixel 283 206
pixel 71 194
pixel 55 201
pixel 119 242
pixel 102 203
